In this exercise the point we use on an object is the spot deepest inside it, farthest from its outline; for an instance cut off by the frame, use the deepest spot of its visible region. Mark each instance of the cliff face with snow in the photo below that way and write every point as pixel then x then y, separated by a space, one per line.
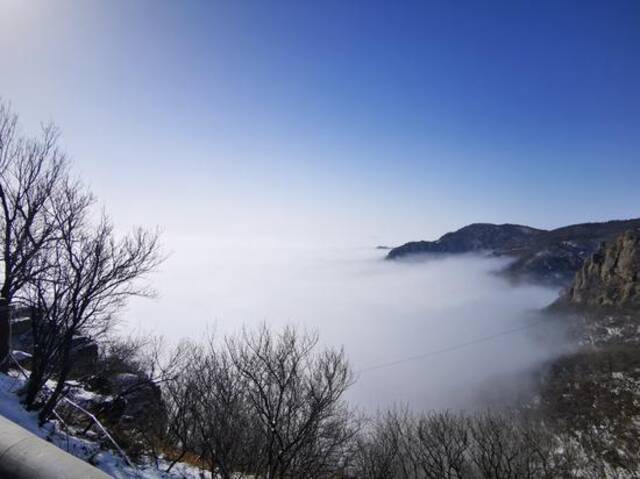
pixel 611 276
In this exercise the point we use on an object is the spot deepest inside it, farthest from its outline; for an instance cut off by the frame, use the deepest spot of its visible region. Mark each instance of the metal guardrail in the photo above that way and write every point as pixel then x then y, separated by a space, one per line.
pixel 24 455
pixel 84 411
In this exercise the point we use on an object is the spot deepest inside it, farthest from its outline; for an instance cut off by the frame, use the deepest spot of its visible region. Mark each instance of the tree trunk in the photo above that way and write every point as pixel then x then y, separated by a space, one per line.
pixel 5 334
pixel 33 387
pixel 52 402
pixel 36 380
pixel 176 461
pixel 65 368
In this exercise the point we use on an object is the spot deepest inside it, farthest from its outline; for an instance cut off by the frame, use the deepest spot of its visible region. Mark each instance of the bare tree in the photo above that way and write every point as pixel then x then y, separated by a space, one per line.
pixel 514 444
pixel 264 405
pixel 441 444
pixel 490 445
pixel 296 395
pixel 225 426
pixel 379 452
pixel 181 405
pixel 136 370
pixel 30 173
pixel 45 293
pixel 89 276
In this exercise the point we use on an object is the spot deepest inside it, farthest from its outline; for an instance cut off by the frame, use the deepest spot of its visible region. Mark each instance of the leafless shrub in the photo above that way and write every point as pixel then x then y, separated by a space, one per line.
pixel 517 445
pixel 182 406
pixel 263 404
pixel 379 453
pixel 490 445
pixel 296 397
pixel 439 443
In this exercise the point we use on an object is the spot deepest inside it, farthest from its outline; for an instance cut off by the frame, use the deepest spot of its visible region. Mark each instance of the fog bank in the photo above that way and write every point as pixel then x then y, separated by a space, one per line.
pixel 380 311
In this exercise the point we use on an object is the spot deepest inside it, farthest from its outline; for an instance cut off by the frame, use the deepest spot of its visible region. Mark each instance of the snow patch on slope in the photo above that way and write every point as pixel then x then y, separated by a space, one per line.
pixel 90 451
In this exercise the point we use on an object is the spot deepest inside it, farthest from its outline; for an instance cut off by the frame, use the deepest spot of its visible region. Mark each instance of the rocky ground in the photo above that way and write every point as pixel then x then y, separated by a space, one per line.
pixel 88 444
pixel 595 391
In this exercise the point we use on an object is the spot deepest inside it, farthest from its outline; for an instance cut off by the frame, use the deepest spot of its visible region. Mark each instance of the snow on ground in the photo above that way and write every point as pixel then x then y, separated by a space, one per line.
pixel 108 461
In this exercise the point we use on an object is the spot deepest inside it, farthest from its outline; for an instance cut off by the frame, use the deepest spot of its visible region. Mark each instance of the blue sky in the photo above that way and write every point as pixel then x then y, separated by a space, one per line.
pixel 346 121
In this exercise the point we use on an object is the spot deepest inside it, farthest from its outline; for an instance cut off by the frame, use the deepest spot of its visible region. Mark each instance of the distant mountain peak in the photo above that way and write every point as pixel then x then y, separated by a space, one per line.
pixel 550 256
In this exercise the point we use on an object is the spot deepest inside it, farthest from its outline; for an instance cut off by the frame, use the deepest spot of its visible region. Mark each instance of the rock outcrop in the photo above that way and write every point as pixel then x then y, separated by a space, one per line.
pixel 611 276
pixel 84 352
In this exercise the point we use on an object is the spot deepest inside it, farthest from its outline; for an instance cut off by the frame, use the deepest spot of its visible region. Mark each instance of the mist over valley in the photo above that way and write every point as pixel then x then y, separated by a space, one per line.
pixel 379 311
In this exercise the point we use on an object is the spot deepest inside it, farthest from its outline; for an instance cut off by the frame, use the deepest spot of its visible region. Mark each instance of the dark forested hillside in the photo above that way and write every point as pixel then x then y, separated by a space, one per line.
pixel 550 256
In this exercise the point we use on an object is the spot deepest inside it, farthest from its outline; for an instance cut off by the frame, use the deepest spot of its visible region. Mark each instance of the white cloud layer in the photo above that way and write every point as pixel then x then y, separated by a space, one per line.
pixel 379 311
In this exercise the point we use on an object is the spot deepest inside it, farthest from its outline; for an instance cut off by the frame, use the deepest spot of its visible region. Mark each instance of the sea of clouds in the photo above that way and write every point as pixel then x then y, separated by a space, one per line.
pixel 380 311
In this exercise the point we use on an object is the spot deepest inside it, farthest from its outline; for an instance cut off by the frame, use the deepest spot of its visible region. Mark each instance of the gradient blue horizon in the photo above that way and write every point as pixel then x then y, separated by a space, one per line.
pixel 368 122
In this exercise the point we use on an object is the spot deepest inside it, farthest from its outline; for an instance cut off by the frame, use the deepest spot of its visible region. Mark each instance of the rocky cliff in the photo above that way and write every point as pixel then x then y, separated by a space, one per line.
pixel 611 276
